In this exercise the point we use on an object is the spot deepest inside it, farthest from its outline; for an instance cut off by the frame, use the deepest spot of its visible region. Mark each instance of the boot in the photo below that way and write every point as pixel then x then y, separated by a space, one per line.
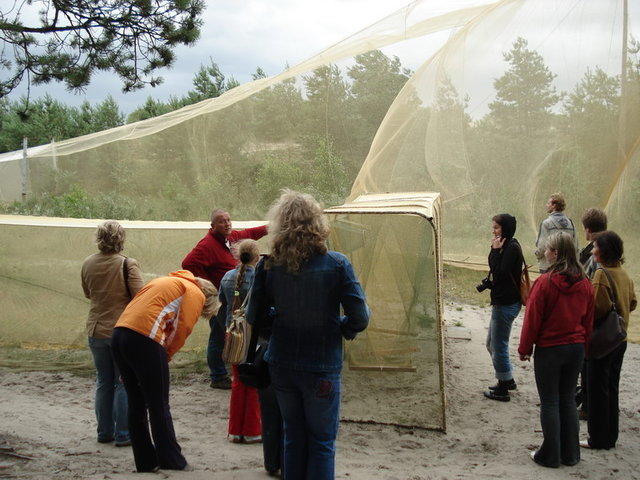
pixel 510 384
pixel 500 394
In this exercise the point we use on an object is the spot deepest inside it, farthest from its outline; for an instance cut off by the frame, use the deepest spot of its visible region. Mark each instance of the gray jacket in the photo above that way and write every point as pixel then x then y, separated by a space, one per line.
pixel 556 222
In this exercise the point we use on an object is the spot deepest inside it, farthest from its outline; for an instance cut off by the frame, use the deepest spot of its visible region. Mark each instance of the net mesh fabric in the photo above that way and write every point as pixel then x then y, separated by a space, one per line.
pixel 510 101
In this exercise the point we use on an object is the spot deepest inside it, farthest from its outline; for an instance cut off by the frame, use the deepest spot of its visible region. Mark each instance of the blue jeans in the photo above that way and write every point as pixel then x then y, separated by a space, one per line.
pixel 216 345
pixel 310 404
pixel 502 317
pixel 111 397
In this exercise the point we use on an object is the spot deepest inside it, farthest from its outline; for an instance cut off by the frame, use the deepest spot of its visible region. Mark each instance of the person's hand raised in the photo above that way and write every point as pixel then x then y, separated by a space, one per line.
pixel 497 242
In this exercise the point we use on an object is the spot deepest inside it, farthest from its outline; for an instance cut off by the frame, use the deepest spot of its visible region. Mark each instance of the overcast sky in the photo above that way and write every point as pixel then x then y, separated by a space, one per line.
pixel 240 35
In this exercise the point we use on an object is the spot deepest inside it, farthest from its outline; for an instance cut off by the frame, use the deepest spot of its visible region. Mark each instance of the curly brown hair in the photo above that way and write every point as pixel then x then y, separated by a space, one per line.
pixel 299 230
pixel 110 237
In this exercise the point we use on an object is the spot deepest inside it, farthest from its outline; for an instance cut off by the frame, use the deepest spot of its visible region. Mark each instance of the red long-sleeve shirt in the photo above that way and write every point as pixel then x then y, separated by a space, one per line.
pixel 211 258
pixel 558 313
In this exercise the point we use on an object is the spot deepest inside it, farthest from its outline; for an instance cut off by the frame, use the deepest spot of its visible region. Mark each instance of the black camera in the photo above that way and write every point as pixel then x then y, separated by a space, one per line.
pixel 484 284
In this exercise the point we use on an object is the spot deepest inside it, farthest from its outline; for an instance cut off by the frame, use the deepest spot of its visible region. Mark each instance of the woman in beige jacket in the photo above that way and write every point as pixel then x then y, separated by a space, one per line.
pixel 110 280
pixel 610 282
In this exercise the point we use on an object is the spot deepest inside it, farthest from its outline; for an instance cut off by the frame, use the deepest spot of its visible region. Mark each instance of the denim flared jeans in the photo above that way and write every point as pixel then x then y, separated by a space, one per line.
pixel 502 317
pixel 111 397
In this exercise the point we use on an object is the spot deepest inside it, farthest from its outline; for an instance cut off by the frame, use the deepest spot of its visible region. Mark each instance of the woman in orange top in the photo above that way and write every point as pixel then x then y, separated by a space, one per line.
pixel 152 328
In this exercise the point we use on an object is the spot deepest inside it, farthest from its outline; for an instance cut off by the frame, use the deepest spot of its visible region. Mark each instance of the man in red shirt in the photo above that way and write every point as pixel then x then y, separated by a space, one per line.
pixel 211 258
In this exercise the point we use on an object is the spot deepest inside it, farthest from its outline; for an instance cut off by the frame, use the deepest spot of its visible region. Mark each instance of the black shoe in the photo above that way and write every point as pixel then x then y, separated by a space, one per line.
pixel 498 394
pixel 509 384
pixel 222 384
pixel 105 440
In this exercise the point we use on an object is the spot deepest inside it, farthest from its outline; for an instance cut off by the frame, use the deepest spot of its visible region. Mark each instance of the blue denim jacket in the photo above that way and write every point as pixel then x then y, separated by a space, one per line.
pixel 228 287
pixel 307 327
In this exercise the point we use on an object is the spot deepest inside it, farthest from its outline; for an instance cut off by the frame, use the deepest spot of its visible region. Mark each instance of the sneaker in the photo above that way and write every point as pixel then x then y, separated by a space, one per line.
pixel 235 438
pixel 510 384
pixel 254 439
pixel 105 440
pixel 223 384
pixel 499 395
pixel 123 443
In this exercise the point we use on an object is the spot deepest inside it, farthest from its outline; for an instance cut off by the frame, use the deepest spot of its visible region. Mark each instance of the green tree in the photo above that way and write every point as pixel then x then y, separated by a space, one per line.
pixel 151 108
pixel 106 115
pixel 73 40
pixel 376 81
pixel 327 111
pixel 209 82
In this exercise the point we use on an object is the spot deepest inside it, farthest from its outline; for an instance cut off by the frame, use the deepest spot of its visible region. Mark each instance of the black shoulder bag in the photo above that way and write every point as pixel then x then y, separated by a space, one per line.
pixel 125 275
pixel 608 332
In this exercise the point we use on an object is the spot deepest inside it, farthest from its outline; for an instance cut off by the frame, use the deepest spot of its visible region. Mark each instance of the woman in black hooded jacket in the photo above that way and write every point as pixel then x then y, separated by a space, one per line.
pixel 505 264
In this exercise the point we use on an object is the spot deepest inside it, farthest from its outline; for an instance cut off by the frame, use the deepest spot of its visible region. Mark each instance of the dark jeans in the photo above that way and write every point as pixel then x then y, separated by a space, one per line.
pixel 216 345
pixel 272 432
pixel 557 370
pixel 603 376
pixel 310 403
pixel 145 373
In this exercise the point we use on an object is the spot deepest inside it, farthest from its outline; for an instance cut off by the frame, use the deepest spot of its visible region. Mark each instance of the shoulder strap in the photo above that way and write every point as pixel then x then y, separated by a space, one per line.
pixel 125 275
pixel 612 285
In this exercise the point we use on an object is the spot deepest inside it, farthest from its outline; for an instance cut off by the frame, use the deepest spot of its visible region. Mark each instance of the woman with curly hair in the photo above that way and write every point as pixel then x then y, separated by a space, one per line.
pixel 110 280
pixel 306 284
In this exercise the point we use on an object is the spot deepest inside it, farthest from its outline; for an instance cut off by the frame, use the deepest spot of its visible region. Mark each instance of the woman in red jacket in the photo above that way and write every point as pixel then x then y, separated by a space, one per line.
pixel 558 320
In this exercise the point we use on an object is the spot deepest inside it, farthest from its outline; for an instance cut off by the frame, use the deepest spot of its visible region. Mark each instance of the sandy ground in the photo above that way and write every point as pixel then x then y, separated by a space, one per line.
pixel 50 418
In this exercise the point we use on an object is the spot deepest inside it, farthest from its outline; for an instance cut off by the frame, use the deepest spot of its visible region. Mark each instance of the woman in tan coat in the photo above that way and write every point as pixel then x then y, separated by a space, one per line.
pixel 611 281
pixel 110 280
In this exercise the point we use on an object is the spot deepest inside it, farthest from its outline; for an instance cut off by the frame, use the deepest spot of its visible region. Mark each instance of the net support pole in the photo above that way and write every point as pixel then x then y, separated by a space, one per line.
pixel 24 170
pixel 623 79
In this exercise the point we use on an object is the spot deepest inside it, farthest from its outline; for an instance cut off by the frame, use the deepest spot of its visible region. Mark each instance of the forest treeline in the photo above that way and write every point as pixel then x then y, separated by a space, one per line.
pixel 314 132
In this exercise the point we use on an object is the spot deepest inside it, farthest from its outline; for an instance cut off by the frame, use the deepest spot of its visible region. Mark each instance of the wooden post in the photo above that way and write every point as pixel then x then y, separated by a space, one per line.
pixel 54 154
pixel 622 114
pixel 24 169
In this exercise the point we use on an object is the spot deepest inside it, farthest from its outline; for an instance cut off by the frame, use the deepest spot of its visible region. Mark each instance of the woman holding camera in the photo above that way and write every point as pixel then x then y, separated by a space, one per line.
pixel 505 272
pixel 558 321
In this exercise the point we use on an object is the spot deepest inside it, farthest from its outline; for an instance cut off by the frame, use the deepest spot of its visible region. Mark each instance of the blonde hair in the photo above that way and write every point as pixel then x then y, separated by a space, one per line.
pixel 299 230
pixel 211 303
pixel 566 259
pixel 110 237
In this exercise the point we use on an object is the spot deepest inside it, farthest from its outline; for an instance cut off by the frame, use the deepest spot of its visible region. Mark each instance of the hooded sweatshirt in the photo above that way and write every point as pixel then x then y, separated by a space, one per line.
pixel 559 312
pixel 556 222
pixel 505 265
pixel 165 310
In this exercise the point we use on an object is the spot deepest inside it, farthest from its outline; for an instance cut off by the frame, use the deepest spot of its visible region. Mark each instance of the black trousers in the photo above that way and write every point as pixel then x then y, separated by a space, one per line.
pixel 603 377
pixel 145 373
pixel 272 431
pixel 556 369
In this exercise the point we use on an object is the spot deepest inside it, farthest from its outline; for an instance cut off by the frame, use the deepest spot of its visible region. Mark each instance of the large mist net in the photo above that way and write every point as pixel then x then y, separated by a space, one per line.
pixel 493 104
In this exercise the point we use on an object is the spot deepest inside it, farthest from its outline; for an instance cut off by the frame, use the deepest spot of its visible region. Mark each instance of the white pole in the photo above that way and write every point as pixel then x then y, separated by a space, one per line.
pixel 24 169
pixel 55 154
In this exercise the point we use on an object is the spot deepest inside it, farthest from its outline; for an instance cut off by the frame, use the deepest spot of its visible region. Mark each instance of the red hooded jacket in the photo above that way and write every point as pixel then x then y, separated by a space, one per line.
pixel 558 312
